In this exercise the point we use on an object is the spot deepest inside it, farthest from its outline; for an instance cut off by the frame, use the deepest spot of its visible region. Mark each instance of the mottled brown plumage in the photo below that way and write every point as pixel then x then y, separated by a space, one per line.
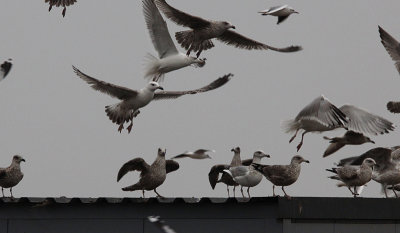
pixel 11 175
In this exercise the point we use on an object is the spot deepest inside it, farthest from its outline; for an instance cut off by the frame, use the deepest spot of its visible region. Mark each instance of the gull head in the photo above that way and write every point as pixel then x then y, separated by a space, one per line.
pixel 367 139
pixel 236 150
pixel 369 162
pixel 153 86
pixel 18 159
pixel 197 62
pixel 227 25
pixel 162 152
pixel 292 11
pixel 297 159
pixel 261 154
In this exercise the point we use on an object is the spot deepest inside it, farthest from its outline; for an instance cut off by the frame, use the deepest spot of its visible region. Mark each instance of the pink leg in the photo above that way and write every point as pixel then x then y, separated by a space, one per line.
pixel 301 143
pixel 294 136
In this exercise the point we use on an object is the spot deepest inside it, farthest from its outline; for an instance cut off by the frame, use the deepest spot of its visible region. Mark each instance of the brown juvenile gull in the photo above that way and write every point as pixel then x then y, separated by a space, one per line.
pixel 198 154
pixel 354 177
pixel 5 68
pixel 282 12
pixel 58 3
pixel 247 176
pixel 349 138
pixel 321 115
pixel 11 175
pixel 282 175
pixel 215 170
pixel 151 176
pixel 133 100
pixel 199 38
pixel 169 58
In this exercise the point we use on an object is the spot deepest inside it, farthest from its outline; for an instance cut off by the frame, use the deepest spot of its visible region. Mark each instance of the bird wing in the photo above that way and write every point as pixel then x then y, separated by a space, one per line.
pixel 107 88
pixel 58 3
pixel 324 112
pixel 137 164
pixel 239 171
pixel 332 148
pixel 282 18
pixel 273 9
pixel 158 30
pixel 381 156
pixel 247 162
pixel 3 173
pixel 214 173
pixel 175 94
pixel 230 37
pixel 180 17
pixel 171 165
pixel 202 151
pixel 5 69
pixel 365 122
pixel 392 46
pixel 347 173
pixel 180 156
pixel 393 107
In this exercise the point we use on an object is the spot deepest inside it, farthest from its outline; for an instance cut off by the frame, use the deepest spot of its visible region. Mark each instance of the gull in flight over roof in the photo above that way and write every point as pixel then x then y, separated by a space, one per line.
pixel 282 12
pixel 197 154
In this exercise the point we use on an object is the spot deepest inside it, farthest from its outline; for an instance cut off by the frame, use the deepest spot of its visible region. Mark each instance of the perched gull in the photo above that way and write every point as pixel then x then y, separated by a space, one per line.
pixel 213 175
pixel 151 176
pixel 63 3
pixel 169 57
pixel 349 138
pixel 11 175
pixel 133 100
pixel 160 224
pixel 282 175
pixel 321 115
pixel 282 12
pixel 199 38
pixel 198 154
pixel 5 69
pixel 354 177
pixel 247 176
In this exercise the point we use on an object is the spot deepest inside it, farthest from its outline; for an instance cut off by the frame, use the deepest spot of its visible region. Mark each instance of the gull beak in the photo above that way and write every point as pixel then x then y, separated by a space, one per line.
pixel 306 161
pixel 372 142
pixel 23 160
pixel 233 150
pixel 296 12
pixel 268 156
pixel 233 27
pixel 160 87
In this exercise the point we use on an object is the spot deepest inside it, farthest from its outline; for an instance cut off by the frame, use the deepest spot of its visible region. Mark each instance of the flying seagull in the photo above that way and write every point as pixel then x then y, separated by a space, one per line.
pixel 151 176
pixel 282 12
pixel 352 176
pixel 198 154
pixel 282 175
pixel 160 224
pixel 5 68
pixel 133 100
pixel 321 115
pixel 199 38
pixel 58 3
pixel 349 138
pixel 169 58
pixel 11 175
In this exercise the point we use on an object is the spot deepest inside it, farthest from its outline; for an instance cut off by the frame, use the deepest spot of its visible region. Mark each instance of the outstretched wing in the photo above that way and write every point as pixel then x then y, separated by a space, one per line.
pixel 214 173
pixel 137 164
pixel 230 37
pixel 171 165
pixel 247 162
pixel 392 46
pixel 175 94
pixel 58 3
pixel 273 10
pixel 180 17
pixel 107 88
pixel 202 151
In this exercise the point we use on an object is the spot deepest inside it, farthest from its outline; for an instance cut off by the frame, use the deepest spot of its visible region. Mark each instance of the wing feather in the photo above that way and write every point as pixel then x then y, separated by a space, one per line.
pixel 392 46
pixel 171 165
pixel 137 164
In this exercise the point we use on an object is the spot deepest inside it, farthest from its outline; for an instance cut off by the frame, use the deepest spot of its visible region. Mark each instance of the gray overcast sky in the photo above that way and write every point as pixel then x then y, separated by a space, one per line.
pixel 57 122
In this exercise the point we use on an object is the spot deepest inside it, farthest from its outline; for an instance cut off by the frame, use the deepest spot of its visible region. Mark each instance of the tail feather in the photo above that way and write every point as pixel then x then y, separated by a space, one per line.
pixel 117 114
pixel 152 68
pixel 132 188
pixel 289 126
pixel 186 40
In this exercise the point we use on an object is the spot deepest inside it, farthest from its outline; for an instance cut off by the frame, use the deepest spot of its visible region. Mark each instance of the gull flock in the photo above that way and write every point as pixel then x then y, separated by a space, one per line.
pixel 381 164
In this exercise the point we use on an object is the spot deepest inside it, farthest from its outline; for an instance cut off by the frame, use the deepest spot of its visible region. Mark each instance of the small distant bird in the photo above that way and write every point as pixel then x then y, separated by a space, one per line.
pixel 151 176
pixel 321 115
pixel 199 38
pixel 354 177
pixel 160 224
pixel 11 175
pixel 58 3
pixel 282 12
pixel 198 154
pixel 133 100
pixel 349 138
pixel 169 58
pixel 282 175
pixel 5 68
pixel 247 176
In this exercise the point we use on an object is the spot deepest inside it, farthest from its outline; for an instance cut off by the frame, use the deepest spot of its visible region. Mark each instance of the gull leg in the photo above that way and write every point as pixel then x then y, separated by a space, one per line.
pixel 294 136
pixel 355 191
pixel 248 191
pixel 287 196
pixel 143 192
pixel 273 190
pixel 234 191
pixel 129 128
pixel 301 142
pixel 121 127
pixel 385 191
pixel 158 195
pixel 50 7
pixel 350 190
pixel 241 190
pixel 227 189
pixel 394 192
pixel 2 191
pixel 11 193
pixel 198 53
pixel 63 12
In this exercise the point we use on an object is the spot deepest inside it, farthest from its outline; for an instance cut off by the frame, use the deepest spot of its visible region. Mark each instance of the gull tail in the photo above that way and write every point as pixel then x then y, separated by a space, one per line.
pixel 117 114
pixel 132 188
pixel 152 68
pixel 185 38
pixel 289 126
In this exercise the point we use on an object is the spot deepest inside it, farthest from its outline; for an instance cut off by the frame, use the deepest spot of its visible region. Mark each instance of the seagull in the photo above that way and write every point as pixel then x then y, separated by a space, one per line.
pixel 199 38
pixel 58 3
pixel 133 100
pixel 283 12
pixel 282 175
pixel 11 175
pixel 247 176
pixel 321 115
pixel 354 177
pixel 5 68
pixel 169 58
pixel 215 170
pixel 151 176
pixel 198 154
pixel 349 138
pixel 160 224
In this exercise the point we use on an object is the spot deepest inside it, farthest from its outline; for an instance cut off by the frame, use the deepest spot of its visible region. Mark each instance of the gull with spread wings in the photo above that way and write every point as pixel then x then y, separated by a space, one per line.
pixel 199 38
pixel 133 100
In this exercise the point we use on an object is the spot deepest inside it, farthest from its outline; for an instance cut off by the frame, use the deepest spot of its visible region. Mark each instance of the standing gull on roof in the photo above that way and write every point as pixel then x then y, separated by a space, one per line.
pixel 58 3
pixel 169 58
pixel 198 154
pixel 5 69
pixel 283 12
pixel 282 175
pixel 151 176
pixel 199 38
pixel 11 175
pixel 321 115
pixel 133 100
pixel 349 138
